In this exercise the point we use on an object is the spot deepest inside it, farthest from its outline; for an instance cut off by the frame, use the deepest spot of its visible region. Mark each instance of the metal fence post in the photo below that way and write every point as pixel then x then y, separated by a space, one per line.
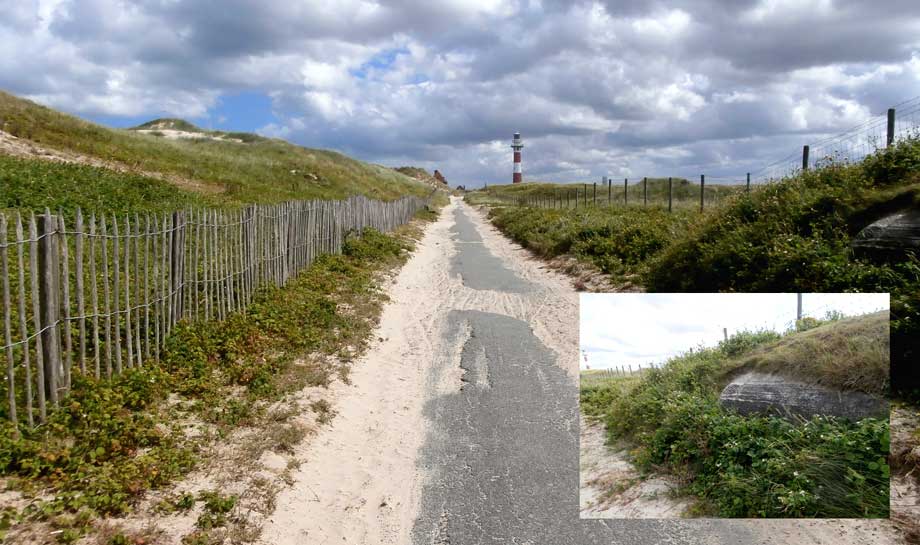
pixel 805 151
pixel 890 137
pixel 748 182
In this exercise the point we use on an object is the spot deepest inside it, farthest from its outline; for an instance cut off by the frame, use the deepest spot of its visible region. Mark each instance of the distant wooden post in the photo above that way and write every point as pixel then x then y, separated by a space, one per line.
pixel 48 285
pixel 805 158
pixel 585 196
pixel 625 191
pixel 670 193
pixel 725 332
pixel 702 191
pixel 609 191
pixel 748 182
pixel 594 196
pixel 890 138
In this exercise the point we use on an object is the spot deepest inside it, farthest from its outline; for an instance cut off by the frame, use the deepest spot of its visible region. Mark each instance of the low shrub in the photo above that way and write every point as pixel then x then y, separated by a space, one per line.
pixel 113 439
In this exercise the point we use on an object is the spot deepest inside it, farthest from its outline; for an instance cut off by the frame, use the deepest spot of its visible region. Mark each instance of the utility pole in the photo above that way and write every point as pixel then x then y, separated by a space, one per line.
pixel 798 311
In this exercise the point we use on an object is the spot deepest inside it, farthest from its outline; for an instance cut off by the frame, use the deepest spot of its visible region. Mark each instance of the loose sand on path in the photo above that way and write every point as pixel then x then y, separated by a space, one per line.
pixel 359 482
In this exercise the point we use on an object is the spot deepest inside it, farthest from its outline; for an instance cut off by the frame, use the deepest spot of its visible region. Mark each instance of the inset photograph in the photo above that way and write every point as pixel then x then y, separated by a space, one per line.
pixel 734 405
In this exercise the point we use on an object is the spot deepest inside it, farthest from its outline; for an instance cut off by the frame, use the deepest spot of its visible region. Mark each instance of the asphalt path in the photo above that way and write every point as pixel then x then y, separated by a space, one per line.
pixel 502 452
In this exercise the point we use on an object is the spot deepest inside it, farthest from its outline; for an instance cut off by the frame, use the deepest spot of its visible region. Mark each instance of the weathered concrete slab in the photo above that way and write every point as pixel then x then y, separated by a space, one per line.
pixel 754 392
pixel 890 237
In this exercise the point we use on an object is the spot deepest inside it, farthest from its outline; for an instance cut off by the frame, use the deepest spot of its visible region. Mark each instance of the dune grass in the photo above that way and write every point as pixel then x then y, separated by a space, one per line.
pixel 258 171
pixel 28 184
pixel 849 354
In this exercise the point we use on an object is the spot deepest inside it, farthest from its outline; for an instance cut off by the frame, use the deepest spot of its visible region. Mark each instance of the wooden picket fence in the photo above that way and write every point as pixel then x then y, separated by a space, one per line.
pixel 101 294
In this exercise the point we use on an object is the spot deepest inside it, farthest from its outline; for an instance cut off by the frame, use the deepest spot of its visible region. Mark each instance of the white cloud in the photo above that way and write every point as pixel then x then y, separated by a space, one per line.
pixel 631 329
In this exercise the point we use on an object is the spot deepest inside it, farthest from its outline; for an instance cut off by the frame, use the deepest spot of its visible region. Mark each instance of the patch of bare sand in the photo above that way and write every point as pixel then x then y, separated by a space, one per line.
pixel 359 482
pixel 175 134
pixel 905 465
pixel 20 147
pixel 611 487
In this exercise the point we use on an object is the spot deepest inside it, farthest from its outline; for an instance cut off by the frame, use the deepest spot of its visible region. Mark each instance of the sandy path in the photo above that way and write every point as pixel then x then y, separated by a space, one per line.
pixel 359 482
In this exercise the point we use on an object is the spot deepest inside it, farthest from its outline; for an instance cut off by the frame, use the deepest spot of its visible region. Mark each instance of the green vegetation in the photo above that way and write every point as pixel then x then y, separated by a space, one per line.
pixel 619 243
pixel 745 466
pixel 792 235
pixel 849 354
pixel 112 440
pixel 27 184
pixel 257 170
pixel 685 194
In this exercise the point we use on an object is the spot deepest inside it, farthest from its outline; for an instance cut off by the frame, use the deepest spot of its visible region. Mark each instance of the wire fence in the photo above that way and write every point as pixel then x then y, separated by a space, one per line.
pixel 781 323
pixel 883 130
pixel 98 295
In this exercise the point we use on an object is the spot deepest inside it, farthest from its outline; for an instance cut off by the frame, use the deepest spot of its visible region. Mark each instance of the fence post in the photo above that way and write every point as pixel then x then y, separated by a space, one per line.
pixel 625 191
pixel 585 196
pixel 48 285
pixel 890 139
pixel 805 158
pixel 175 250
pixel 594 197
pixel 609 191
pixel 748 182
pixel 702 191
pixel 645 191
pixel 670 193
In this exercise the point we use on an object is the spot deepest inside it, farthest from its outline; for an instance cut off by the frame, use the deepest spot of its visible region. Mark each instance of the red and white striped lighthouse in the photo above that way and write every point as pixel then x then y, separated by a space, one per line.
pixel 516 145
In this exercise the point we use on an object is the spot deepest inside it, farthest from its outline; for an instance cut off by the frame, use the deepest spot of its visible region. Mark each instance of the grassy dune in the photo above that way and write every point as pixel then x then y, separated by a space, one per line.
pixel 227 173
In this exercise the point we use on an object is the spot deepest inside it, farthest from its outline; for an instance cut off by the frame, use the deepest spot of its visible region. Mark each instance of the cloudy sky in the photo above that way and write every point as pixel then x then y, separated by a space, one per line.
pixel 629 329
pixel 618 87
